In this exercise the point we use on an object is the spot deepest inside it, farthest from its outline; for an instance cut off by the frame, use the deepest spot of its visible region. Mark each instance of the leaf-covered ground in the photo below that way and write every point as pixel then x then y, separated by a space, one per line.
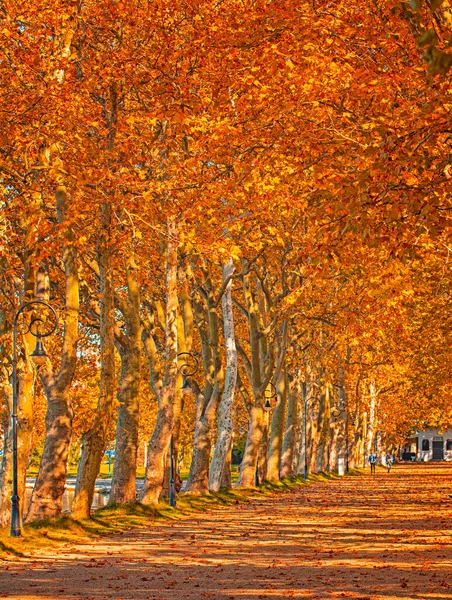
pixel 382 537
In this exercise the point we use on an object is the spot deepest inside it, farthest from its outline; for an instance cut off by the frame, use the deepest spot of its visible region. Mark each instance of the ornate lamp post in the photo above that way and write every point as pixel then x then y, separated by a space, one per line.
pixel 270 394
pixel 39 357
pixel 186 369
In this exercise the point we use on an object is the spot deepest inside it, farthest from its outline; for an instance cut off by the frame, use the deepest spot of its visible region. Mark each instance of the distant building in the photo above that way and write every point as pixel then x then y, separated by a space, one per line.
pixel 431 444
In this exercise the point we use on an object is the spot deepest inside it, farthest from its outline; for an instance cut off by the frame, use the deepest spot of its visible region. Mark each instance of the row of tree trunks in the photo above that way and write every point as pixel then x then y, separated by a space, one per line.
pixel 272 450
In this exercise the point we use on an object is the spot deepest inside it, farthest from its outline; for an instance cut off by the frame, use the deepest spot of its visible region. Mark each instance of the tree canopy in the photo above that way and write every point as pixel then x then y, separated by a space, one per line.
pixel 262 185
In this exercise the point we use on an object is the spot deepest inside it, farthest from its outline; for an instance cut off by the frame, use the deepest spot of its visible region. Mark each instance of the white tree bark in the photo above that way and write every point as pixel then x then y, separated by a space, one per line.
pixel 225 424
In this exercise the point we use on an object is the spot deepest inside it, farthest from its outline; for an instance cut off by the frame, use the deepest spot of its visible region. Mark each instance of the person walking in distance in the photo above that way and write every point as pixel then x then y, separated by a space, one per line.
pixel 372 462
pixel 389 461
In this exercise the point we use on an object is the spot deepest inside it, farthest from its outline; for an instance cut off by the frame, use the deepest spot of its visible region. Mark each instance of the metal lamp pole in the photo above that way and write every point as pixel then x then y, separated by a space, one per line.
pixel 186 370
pixel 39 357
pixel 172 486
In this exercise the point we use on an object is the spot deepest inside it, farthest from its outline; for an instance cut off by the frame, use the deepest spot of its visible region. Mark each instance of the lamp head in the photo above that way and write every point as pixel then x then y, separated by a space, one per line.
pixel 39 355
pixel 186 387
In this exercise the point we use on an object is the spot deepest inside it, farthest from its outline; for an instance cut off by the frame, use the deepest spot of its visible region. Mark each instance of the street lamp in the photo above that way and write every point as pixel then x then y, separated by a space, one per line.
pixel 269 394
pixel 39 357
pixel 186 369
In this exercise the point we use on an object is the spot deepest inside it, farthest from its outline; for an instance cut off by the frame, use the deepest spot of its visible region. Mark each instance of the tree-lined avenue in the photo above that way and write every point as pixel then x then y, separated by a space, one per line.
pixel 382 537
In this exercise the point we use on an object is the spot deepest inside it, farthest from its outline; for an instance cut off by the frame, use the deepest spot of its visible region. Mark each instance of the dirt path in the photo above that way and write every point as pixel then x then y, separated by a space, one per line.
pixel 382 537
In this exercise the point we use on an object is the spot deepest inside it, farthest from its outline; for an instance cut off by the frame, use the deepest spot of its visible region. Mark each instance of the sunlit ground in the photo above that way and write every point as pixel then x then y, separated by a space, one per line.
pixel 370 537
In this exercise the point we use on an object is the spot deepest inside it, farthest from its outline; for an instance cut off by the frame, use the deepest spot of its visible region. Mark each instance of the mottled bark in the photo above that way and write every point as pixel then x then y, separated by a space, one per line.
pixel 225 427
pixel 371 420
pixel 198 479
pixel 123 485
pixel 323 430
pixel 226 475
pixel 288 469
pixel 313 441
pixel 334 447
pixel 253 443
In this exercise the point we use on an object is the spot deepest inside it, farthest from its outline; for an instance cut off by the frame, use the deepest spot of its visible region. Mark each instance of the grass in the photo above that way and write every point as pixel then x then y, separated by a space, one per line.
pixel 117 518
pixel 103 473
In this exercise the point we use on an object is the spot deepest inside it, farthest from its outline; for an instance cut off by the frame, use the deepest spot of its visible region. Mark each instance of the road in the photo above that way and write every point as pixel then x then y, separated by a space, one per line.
pixel 381 537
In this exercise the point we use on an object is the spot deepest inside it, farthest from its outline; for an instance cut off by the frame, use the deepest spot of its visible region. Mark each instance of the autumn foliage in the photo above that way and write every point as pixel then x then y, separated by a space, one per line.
pixel 263 185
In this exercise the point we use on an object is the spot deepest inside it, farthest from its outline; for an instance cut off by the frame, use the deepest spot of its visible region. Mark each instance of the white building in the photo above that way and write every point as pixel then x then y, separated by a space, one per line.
pixel 431 444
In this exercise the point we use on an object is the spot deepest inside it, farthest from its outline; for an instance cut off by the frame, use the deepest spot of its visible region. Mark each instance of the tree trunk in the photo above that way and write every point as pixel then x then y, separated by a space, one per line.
pixel 287 452
pixel 226 479
pixel 334 446
pixel 253 443
pixel 178 401
pixel 372 419
pixel 314 443
pixel 160 439
pixel 123 485
pixel 260 367
pixel 198 479
pixel 314 422
pixel 323 425
pixel 24 437
pixel 277 429
pixel 298 436
pixel 262 457
pixel 26 379
pixel 225 425
pixel 47 498
pixel 95 440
